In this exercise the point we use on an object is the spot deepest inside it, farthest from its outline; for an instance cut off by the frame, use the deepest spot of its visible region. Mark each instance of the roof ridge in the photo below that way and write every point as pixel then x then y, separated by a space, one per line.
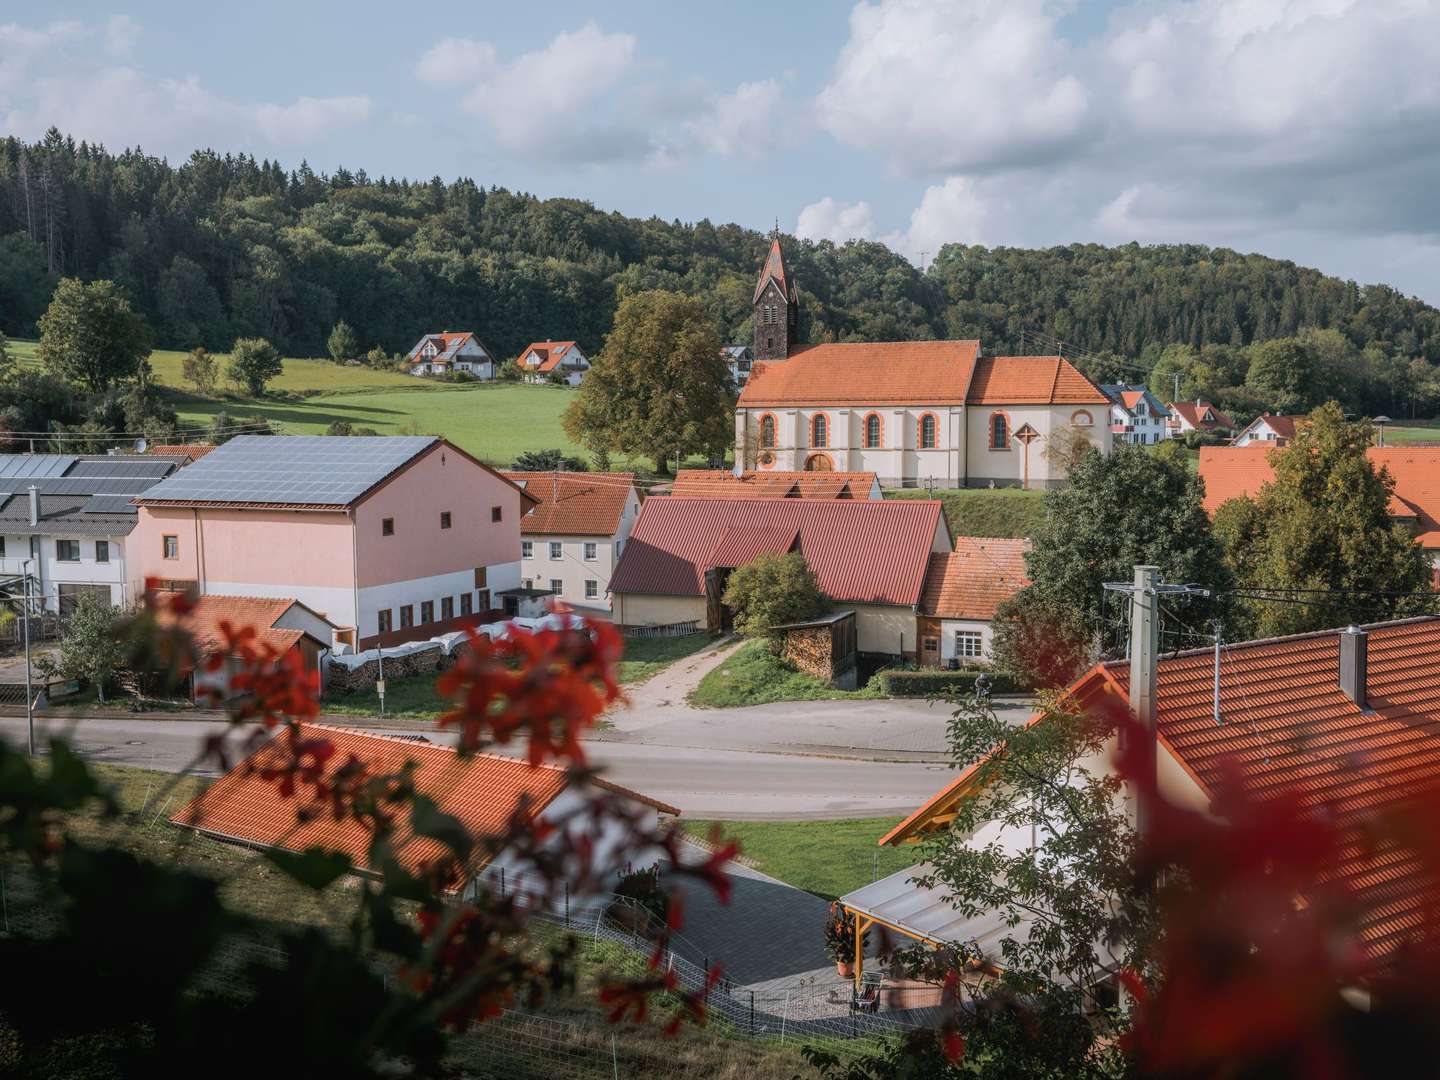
pixel 378 734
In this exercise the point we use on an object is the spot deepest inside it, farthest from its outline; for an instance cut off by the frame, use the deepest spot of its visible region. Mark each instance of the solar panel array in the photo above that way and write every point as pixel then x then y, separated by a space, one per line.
pixel 34 465
pixel 109 504
pixel 151 468
pixel 310 470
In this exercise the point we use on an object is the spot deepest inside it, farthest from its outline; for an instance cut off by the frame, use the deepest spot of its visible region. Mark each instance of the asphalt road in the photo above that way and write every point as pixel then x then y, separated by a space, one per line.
pixel 702 781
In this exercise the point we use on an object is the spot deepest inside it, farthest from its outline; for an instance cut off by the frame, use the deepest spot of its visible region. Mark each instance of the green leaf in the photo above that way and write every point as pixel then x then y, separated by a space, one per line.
pixel 316 867
pixel 429 820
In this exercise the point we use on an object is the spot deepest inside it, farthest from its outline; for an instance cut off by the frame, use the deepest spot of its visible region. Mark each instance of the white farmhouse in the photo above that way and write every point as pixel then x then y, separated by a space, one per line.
pixel 541 359
pixel 1136 415
pixel 450 351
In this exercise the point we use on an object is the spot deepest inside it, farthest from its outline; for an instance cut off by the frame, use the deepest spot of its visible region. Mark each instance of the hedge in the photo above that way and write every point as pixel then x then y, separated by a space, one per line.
pixel 936 682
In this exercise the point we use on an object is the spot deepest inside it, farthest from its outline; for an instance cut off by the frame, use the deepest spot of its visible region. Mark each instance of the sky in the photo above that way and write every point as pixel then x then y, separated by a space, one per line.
pixel 1302 129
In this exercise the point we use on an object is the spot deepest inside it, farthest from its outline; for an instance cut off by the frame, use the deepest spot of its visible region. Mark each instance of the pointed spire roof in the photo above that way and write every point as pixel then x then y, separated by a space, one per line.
pixel 775 268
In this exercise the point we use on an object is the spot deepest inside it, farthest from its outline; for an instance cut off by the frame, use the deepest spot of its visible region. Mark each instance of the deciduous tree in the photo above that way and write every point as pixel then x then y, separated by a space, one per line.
pixel 1321 533
pixel 343 342
pixel 90 335
pixel 253 363
pixel 659 387
pixel 773 590
pixel 90 650
pixel 200 369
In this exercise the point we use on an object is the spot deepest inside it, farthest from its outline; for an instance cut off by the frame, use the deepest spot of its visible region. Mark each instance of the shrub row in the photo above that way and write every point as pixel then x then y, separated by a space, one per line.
pixel 935 682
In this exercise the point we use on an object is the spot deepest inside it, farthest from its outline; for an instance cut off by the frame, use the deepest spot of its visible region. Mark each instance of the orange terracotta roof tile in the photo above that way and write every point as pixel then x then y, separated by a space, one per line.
pixel 1290 729
pixel 573 504
pixel 974 579
pixel 1031 380
pixel 193 451
pixel 1193 412
pixel 211 610
pixel 772 484
pixel 552 353
pixel 1232 471
pixel 482 791
pixel 865 373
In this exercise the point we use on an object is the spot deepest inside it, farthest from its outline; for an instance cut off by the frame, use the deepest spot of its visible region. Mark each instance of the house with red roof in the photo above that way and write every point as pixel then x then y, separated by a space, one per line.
pixel 1197 415
pixel 541 361
pixel 1269 429
pixel 1136 415
pixel 1232 471
pixel 277 623
pixel 1347 721
pixel 963 589
pixel 571 542
pixel 912 412
pixel 483 791
pixel 869 556
pixel 451 351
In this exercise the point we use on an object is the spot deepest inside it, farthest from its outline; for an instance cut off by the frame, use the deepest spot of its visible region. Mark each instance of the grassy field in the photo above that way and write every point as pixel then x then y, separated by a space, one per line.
pixel 494 421
pixel 415 698
pixel 753 676
pixel 1002 512
pixel 827 858
pixel 1412 431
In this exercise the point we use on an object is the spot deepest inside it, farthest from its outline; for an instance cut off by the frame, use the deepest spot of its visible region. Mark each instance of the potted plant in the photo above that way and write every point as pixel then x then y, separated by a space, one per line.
pixel 840 940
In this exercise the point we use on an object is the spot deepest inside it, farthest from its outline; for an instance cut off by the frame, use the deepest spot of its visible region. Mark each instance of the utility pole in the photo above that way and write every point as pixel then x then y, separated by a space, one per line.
pixel 1177 387
pixel 29 692
pixel 1145 592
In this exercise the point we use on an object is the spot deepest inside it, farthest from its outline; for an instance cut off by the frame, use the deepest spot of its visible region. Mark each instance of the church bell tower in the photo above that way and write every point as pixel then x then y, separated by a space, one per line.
pixel 777 307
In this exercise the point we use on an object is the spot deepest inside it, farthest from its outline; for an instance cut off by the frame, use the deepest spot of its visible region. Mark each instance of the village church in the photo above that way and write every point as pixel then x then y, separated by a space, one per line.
pixel 916 413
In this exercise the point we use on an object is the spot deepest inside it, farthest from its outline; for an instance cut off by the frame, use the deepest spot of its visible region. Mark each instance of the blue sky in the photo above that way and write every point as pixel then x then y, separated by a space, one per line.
pixel 1307 129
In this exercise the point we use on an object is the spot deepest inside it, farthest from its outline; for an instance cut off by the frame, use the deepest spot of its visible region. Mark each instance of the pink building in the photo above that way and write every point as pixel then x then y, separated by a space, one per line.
pixel 390 538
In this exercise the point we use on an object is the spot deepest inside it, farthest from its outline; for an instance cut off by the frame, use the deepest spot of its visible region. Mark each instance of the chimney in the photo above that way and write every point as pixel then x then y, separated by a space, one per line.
pixel 1354 664
pixel 34 506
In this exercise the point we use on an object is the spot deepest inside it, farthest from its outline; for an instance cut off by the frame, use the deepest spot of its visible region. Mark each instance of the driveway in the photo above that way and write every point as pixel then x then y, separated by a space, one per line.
pixel 899 729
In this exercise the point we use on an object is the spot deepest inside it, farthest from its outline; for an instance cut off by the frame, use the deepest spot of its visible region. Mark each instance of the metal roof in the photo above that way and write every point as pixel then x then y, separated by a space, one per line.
pixel 862 551
pixel 301 470
pixel 929 914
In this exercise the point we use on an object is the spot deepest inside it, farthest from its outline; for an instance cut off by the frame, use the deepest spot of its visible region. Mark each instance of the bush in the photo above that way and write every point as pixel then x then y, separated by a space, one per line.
pixel 935 682
pixel 253 363
pixel 771 591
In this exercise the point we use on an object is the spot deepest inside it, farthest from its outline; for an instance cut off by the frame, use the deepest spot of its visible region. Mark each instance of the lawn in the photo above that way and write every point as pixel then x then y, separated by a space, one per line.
pixel 1414 431
pixel 494 421
pixel 753 676
pixel 645 657
pixel 1001 512
pixel 827 858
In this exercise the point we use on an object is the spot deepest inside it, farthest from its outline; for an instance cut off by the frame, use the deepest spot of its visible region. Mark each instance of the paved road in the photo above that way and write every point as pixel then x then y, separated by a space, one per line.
pixel 701 781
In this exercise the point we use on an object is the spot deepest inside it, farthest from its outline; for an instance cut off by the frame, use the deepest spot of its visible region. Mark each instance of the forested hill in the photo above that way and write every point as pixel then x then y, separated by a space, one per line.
pixel 225 246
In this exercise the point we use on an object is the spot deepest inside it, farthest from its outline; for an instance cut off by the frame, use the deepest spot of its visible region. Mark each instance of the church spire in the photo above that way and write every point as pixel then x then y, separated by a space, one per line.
pixel 777 306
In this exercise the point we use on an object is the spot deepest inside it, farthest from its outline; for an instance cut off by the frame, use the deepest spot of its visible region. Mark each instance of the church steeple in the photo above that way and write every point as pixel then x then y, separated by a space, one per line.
pixel 777 307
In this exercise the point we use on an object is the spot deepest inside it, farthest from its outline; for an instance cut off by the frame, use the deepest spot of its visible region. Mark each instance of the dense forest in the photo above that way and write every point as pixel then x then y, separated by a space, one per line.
pixel 222 247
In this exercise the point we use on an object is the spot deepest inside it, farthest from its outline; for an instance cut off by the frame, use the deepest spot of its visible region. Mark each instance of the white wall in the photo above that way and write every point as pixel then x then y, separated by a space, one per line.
pixel 948 628
pixel 51 572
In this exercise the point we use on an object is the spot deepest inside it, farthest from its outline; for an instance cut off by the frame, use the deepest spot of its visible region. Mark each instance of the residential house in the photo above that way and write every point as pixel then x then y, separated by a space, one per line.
pixel 541 360
pixel 1269 429
pixel 282 625
pixel 571 542
pixel 1232 471
pixel 1345 720
pixel 738 358
pixel 775 484
pixel 451 351
pixel 1197 415
pixel 869 556
pixel 913 412
pixel 1136 415
pixel 65 522
pixel 483 791
pixel 390 538
pixel 963 589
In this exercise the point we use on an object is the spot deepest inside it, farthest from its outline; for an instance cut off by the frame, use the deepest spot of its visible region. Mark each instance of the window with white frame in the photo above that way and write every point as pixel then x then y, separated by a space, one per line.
pixel 590 551
pixel 556 550
pixel 592 588
pixel 527 549
pixel 969 644
pixel 557 586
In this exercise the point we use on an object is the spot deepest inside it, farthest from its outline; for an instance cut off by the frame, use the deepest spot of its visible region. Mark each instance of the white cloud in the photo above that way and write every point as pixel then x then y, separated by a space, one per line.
pixel 948 85
pixel 120 104
pixel 830 219
pixel 954 212
pixel 745 123
pixel 453 61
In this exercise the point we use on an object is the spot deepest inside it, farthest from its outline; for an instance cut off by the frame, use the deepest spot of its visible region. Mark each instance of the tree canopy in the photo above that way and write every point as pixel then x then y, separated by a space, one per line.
pixel 1323 524
pixel 659 387
pixel 773 590
pixel 253 363
pixel 90 335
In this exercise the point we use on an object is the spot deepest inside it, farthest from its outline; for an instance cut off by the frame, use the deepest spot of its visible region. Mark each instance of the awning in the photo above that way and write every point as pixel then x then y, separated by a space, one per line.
pixel 900 904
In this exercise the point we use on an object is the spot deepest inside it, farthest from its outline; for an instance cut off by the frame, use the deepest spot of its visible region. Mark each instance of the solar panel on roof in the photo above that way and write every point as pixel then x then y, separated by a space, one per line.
pixel 109 504
pixel 313 469
pixel 34 465
pixel 122 466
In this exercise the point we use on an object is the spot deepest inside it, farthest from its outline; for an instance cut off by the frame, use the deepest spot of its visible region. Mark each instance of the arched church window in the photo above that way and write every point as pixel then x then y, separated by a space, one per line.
pixel 819 430
pixel 767 431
